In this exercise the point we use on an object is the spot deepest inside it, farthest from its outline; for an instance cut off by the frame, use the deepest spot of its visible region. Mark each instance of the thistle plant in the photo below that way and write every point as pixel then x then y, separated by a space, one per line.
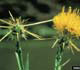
pixel 67 25
pixel 17 28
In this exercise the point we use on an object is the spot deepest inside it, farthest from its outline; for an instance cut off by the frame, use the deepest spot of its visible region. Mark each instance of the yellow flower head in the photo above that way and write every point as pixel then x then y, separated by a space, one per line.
pixel 69 20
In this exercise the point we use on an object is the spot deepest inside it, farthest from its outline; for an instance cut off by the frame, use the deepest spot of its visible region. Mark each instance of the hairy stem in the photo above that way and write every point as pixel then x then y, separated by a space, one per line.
pixel 58 58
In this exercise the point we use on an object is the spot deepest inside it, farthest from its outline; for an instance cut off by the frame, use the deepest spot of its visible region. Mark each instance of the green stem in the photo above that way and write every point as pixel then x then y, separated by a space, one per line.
pixel 18 54
pixel 58 58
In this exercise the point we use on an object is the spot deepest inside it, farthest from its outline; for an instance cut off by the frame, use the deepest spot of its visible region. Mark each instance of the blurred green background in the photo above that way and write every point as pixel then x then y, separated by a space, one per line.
pixel 41 54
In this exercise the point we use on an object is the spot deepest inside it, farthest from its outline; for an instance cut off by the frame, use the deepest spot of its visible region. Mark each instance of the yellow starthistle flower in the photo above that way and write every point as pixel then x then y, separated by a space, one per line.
pixel 69 20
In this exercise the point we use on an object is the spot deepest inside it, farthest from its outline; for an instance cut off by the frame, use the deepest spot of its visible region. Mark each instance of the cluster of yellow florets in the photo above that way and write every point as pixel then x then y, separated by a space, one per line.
pixel 69 20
